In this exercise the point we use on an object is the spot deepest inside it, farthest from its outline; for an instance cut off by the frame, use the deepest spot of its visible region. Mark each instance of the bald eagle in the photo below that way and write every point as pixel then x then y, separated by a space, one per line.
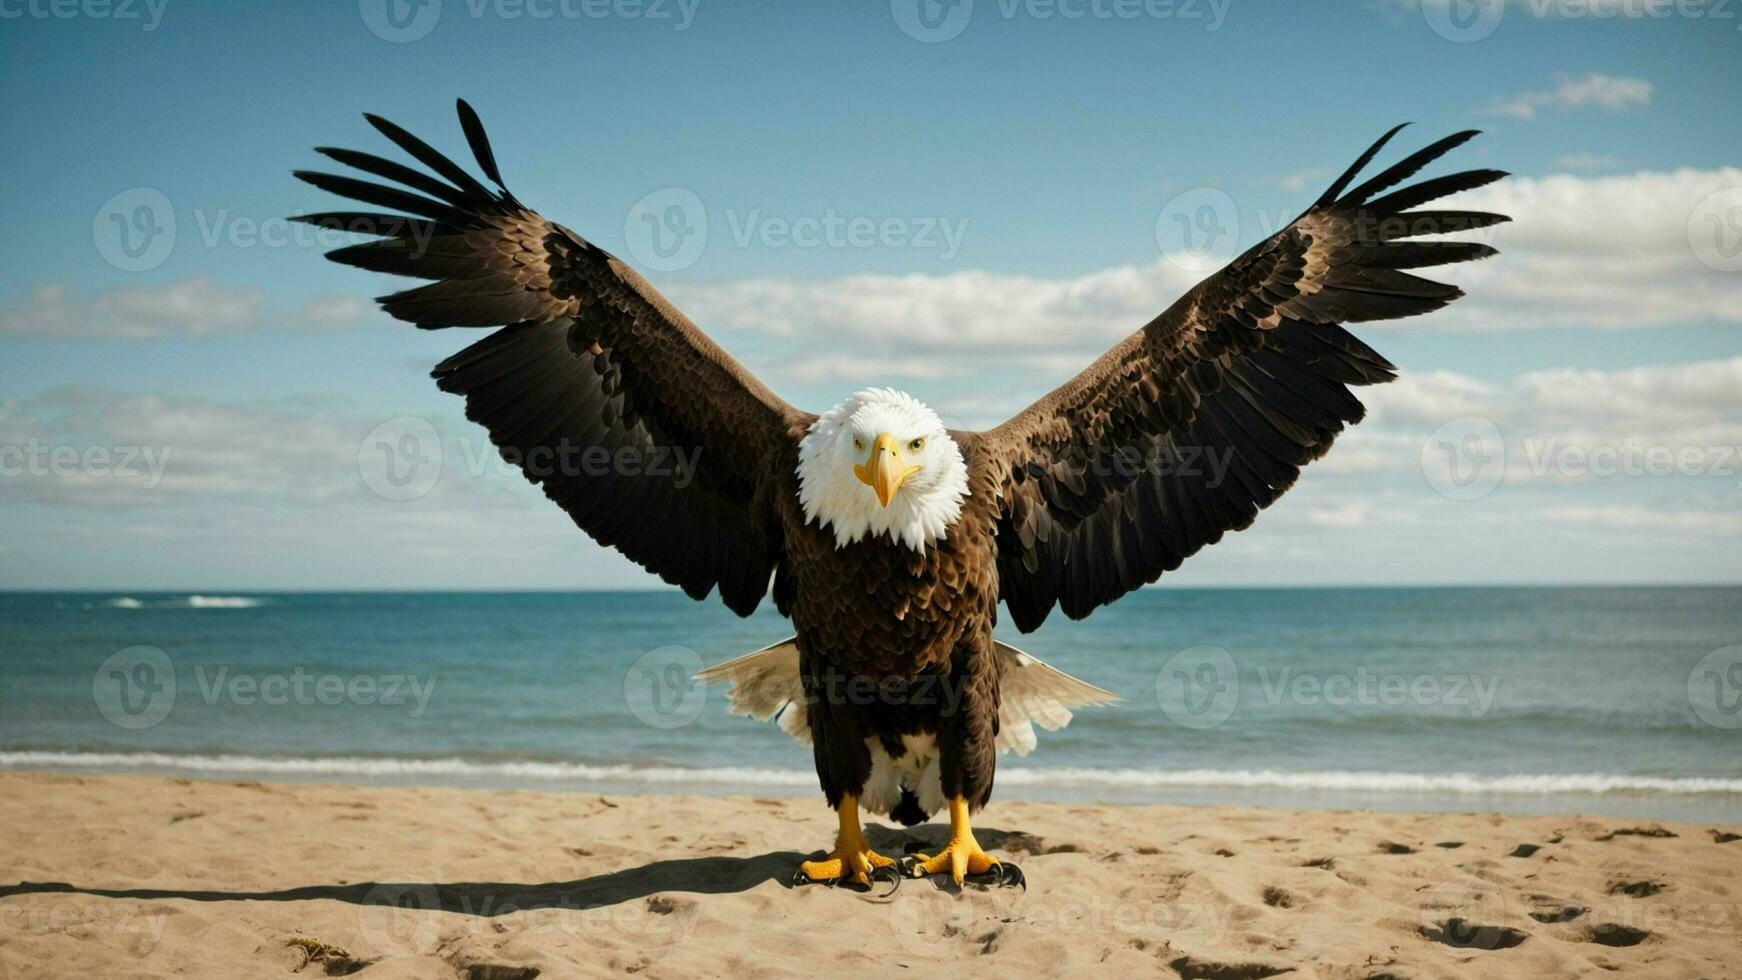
pixel 887 538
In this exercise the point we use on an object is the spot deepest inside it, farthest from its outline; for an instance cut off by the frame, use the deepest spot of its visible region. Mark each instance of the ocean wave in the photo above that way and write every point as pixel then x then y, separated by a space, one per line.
pixel 1456 783
pixel 188 602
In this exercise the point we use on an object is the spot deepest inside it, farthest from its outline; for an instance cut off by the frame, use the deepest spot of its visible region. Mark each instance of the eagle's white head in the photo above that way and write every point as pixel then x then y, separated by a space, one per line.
pixel 881 463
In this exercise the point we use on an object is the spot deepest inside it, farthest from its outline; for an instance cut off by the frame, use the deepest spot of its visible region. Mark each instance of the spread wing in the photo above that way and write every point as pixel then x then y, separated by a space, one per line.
pixel 651 437
pixel 1194 423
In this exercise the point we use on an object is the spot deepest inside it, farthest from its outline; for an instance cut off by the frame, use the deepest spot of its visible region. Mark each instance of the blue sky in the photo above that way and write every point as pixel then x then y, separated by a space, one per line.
pixel 1029 167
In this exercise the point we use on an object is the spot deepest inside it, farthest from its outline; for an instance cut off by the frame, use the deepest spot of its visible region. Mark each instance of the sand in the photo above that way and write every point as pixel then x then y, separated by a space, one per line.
pixel 140 876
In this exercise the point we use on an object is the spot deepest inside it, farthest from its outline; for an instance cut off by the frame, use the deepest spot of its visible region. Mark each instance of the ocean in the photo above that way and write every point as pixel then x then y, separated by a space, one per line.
pixel 1619 701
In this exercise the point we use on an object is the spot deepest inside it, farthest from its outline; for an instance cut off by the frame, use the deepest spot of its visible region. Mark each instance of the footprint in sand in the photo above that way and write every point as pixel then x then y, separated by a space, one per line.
pixel 1465 934
pixel 1636 832
pixel 1190 968
pixel 1611 934
pixel 1644 888
pixel 1549 910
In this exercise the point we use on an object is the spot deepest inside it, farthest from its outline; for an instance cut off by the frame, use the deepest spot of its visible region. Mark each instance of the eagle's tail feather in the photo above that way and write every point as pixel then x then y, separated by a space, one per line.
pixel 766 683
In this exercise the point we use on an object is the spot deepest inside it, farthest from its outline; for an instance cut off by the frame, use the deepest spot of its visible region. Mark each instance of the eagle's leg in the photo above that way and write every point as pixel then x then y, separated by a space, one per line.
pixel 852 859
pixel 962 856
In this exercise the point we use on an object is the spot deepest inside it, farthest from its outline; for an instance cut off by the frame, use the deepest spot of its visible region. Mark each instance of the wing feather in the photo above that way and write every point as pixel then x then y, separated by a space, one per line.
pixel 593 377
pixel 1222 398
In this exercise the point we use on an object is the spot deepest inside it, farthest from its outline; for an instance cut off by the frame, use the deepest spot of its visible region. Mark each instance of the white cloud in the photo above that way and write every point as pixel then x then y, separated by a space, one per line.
pixel 335 310
pixel 194 307
pixel 1594 91
pixel 1581 252
pixel 1634 518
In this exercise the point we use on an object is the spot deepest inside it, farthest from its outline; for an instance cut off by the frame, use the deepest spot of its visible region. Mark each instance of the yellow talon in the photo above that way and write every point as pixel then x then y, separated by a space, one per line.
pixel 852 859
pixel 962 856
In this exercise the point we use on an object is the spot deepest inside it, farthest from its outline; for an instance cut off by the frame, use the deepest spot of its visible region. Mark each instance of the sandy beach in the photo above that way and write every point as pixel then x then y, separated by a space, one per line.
pixel 138 876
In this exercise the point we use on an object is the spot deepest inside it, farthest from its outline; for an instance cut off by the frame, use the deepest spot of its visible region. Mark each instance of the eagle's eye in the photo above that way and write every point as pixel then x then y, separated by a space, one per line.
pixel 916 445
pixel 859 444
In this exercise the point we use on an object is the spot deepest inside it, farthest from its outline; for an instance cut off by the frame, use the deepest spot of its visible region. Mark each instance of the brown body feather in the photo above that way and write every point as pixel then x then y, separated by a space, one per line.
pixel 1179 434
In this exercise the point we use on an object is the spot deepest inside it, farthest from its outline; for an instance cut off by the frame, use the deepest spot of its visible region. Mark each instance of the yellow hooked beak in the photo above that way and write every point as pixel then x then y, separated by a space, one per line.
pixel 884 471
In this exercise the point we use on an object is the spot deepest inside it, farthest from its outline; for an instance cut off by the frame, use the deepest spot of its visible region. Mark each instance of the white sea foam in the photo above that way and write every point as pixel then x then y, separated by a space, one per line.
pixel 188 602
pixel 750 776
pixel 222 602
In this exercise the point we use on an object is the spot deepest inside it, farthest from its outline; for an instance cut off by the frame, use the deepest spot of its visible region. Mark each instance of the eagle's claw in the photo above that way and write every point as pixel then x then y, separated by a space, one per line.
pixel 1002 875
pixel 887 872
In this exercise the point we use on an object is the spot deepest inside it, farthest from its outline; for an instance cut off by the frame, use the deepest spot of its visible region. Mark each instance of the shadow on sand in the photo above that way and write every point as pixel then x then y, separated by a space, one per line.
pixel 703 875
